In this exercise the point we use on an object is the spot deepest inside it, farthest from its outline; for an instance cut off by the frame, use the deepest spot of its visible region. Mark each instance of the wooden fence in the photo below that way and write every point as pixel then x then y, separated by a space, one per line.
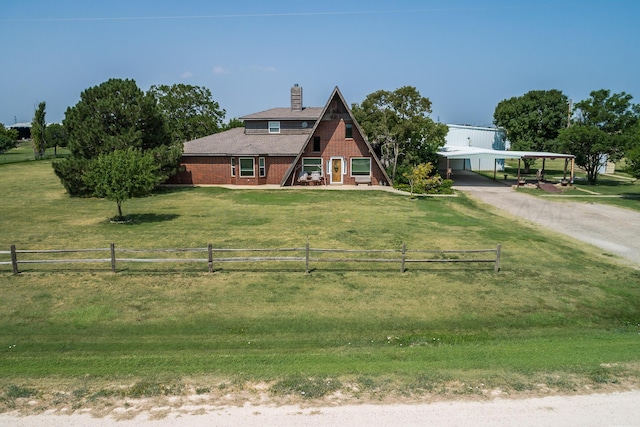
pixel 214 256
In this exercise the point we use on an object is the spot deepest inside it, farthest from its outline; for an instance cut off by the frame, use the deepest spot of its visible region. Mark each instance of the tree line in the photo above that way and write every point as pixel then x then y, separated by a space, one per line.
pixel 123 142
pixel 604 127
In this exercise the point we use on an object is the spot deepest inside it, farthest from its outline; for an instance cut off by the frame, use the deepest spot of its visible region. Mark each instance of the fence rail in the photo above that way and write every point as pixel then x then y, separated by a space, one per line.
pixel 219 255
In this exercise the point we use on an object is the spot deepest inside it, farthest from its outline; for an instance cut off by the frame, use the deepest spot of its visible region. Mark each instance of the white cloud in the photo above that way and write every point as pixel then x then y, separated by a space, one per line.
pixel 219 70
pixel 186 75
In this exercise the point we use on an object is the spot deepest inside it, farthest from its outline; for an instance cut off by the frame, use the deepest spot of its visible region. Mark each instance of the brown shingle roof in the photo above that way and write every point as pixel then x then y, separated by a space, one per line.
pixel 309 113
pixel 235 142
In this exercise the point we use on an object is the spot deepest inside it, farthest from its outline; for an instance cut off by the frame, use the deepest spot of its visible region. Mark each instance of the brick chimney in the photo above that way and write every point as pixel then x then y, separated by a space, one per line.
pixel 296 98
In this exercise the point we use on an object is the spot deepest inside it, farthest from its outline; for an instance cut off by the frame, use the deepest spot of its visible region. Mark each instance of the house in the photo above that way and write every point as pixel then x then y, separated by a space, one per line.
pixel 289 146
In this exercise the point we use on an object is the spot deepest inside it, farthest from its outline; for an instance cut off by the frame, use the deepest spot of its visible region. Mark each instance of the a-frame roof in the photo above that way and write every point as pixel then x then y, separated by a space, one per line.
pixel 336 93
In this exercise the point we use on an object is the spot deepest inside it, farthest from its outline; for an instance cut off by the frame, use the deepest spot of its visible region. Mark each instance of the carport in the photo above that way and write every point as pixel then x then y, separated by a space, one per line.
pixel 469 153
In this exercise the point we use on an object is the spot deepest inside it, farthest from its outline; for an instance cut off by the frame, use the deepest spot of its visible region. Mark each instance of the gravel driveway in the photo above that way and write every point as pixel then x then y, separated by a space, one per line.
pixel 615 230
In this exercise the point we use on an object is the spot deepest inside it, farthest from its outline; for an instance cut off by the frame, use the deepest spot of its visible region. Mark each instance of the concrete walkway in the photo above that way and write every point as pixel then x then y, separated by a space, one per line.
pixel 615 230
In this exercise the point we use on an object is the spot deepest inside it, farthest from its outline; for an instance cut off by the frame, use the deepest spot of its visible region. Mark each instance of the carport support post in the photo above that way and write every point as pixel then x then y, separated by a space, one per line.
pixel 496 266
pixel 404 255
pixel 573 168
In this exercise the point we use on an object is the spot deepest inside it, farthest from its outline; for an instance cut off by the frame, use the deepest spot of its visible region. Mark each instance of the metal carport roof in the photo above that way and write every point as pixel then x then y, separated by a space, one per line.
pixel 459 152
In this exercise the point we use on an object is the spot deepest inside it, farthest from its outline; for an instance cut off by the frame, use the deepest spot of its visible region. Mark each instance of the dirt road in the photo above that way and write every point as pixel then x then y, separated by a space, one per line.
pixel 616 409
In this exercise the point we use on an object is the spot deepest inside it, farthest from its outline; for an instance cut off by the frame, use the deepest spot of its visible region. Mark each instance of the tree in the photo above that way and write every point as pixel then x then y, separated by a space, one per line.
pixel 589 144
pixel 8 138
pixel 38 126
pixel 633 153
pixel 190 111
pixel 233 123
pixel 114 115
pixel 56 136
pixel 123 174
pixel 633 158
pixel 399 127
pixel 603 130
pixel 532 121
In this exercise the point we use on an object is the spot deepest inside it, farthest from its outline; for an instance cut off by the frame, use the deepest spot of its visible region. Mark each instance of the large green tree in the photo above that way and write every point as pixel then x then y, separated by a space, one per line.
pixel 190 111
pixel 8 138
pixel 532 121
pixel 398 125
pixel 603 129
pixel 115 115
pixel 38 126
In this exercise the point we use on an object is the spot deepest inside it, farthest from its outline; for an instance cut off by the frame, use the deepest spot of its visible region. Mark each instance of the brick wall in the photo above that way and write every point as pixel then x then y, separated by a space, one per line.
pixel 334 144
pixel 217 170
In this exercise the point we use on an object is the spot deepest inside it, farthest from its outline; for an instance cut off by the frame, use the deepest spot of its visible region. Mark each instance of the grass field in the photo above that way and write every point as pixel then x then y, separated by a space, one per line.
pixel 559 316
pixel 24 153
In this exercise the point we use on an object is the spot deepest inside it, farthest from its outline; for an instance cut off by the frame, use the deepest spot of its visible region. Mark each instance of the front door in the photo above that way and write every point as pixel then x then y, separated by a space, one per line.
pixel 336 170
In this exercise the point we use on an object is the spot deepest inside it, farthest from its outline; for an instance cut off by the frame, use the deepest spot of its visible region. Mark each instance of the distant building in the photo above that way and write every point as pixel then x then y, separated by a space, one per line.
pixel 476 137
pixel 24 129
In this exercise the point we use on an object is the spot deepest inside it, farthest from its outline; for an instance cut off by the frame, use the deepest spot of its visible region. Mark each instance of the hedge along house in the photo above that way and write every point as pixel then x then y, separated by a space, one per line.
pixel 286 146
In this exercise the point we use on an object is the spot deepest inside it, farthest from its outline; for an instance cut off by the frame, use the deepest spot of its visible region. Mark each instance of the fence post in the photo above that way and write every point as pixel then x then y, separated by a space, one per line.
pixel 306 271
pixel 496 267
pixel 112 248
pixel 14 259
pixel 210 250
pixel 404 253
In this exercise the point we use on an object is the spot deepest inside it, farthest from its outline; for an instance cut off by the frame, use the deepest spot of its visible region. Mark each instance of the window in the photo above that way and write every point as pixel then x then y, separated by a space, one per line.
pixel 361 166
pixel 233 166
pixel 312 165
pixel 316 144
pixel 261 167
pixel 246 167
pixel 348 131
pixel 274 127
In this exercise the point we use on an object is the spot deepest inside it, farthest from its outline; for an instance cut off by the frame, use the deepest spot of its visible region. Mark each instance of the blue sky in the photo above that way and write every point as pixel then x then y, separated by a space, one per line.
pixel 465 56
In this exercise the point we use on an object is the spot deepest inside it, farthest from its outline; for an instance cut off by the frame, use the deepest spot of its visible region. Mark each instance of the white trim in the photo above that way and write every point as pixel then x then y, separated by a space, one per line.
pixel 262 167
pixel 253 167
pixel 351 165
pixel 313 158
pixel 274 126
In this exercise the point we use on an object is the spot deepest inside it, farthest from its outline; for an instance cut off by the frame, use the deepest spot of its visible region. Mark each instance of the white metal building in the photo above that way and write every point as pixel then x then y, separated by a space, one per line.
pixel 475 137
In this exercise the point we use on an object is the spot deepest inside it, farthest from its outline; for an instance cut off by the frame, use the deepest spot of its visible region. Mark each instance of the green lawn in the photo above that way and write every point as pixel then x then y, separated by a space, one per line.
pixel 559 313
pixel 24 153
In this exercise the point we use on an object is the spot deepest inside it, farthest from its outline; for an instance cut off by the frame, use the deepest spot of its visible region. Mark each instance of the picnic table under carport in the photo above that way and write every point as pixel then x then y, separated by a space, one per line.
pixel 469 153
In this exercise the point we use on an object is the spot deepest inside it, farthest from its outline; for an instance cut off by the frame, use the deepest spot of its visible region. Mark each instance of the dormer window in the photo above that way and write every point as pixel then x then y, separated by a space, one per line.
pixel 274 127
